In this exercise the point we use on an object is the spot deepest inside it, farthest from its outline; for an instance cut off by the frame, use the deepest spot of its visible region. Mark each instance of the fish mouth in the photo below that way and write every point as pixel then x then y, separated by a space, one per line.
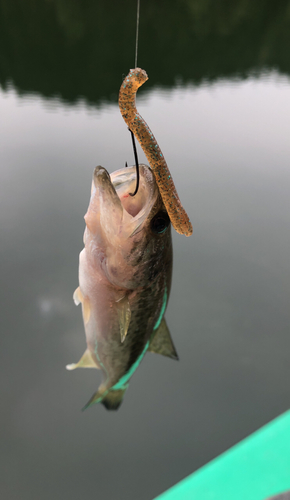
pixel 112 212
pixel 139 205
pixel 116 221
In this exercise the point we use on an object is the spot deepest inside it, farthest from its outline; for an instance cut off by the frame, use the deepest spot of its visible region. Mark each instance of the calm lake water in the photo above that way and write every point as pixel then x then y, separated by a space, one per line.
pixel 218 103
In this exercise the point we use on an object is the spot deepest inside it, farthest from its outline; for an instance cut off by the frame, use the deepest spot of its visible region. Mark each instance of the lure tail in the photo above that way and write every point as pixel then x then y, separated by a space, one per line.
pixel 153 153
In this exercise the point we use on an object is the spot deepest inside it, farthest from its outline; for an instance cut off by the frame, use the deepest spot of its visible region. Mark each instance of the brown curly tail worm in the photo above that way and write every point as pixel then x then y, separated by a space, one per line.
pixel 148 143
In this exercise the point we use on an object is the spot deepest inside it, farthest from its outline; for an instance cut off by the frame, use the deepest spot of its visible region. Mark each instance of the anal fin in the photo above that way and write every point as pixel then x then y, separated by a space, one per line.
pixel 161 342
pixel 86 361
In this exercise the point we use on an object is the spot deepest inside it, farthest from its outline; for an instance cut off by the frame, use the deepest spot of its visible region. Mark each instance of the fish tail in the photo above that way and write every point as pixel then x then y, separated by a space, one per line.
pixel 113 399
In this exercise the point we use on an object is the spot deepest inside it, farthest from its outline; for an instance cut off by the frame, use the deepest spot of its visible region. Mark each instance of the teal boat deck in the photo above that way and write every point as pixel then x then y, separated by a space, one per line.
pixel 255 469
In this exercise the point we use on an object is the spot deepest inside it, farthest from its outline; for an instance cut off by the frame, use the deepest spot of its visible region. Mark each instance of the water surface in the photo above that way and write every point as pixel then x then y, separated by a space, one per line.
pixel 226 141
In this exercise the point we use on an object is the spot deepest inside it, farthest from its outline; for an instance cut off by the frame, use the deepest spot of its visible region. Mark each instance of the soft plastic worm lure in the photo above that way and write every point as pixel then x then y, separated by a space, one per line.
pixel 148 143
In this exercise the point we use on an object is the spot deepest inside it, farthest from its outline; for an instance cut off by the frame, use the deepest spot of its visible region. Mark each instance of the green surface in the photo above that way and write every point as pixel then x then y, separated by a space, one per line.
pixel 254 469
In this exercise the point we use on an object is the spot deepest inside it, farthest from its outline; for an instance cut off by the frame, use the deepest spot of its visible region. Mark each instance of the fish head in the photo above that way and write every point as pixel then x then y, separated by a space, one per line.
pixel 127 238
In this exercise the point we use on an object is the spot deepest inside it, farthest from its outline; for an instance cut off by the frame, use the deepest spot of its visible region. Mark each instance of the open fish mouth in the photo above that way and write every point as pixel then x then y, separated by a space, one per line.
pixel 124 182
pixel 113 215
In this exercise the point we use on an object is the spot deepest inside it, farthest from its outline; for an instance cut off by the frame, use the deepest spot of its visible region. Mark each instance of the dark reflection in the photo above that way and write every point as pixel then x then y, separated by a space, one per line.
pixel 81 48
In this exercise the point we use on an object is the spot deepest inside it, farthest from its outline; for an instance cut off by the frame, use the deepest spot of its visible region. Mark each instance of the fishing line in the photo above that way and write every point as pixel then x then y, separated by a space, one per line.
pixel 137 31
pixel 132 135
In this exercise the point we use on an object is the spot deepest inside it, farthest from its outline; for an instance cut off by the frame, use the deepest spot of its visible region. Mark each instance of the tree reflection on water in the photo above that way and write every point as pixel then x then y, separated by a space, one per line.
pixel 82 48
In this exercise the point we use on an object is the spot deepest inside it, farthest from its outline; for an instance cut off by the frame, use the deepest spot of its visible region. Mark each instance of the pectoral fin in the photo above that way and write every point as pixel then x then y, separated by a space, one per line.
pixel 161 342
pixel 124 314
pixel 86 361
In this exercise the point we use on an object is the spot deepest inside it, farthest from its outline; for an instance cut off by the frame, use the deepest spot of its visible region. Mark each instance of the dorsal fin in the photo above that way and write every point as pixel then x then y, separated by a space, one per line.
pixel 161 342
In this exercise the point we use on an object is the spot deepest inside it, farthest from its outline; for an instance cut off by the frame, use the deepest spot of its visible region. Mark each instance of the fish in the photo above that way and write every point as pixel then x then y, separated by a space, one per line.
pixel 125 274
pixel 125 268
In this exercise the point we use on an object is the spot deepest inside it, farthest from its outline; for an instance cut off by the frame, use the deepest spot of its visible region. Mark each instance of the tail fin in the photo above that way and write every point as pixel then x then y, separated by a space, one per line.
pixel 113 399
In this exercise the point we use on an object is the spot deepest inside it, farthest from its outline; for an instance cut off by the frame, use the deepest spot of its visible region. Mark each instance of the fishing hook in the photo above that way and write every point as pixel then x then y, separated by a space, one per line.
pixel 137 164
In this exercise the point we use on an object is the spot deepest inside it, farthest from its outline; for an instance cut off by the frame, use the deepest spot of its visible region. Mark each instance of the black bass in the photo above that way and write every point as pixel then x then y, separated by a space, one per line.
pixel 124 279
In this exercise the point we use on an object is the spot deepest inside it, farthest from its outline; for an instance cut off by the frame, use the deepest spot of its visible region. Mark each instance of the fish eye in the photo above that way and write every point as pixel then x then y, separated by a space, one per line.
pixel 160 223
